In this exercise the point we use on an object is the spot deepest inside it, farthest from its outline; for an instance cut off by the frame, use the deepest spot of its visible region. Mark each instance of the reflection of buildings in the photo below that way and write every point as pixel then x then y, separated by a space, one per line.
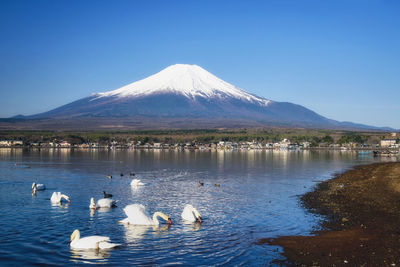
pixel 65 154
pixel 282 156
pixel 220 159
pixel 11 153
pixel 157 155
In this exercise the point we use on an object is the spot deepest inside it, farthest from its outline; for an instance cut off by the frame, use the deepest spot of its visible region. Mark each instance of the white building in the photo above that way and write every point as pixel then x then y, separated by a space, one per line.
pixel 306 144
pixel 388 142
pixel 65 144
pixel 9 143
pixel 5 143
pixel 157 145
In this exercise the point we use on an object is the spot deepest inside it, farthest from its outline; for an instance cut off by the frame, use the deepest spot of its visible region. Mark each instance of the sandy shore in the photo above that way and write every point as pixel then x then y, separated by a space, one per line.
pixel 362 221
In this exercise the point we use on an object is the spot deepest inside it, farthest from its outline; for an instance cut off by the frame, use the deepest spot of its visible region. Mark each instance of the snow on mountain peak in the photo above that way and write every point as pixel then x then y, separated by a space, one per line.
pixel 188 80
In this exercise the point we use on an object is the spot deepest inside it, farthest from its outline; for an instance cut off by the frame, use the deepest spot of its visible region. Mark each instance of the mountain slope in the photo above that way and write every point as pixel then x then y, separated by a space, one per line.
pixel 186 92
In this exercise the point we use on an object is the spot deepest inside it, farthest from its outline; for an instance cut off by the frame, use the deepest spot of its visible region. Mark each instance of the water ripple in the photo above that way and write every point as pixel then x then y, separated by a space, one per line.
pixel 258 197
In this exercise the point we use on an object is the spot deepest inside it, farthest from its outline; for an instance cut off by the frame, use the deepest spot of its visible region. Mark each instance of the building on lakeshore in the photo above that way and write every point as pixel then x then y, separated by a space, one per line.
pixel 10 143
pixel 388 142
pixel 65 144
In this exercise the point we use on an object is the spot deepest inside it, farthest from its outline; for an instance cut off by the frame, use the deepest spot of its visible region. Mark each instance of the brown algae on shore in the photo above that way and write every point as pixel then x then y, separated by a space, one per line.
pixel 362 221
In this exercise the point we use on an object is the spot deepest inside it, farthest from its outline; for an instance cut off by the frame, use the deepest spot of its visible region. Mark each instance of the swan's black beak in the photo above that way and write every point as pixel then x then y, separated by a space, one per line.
pixel 169 221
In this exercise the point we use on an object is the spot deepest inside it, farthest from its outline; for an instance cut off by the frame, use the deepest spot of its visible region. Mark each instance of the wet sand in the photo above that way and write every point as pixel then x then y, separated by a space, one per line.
pixel 361 208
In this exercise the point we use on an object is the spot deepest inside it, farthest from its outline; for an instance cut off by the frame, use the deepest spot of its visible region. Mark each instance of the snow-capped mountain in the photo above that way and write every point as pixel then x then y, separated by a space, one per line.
pixel 183 96
pixel 190 81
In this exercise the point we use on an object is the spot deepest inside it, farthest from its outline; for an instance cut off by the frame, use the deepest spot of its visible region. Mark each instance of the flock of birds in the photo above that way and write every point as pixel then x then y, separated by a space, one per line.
pixel 136 215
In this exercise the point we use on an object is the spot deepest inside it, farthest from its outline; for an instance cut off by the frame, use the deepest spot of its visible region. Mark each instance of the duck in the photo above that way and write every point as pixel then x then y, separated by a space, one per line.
pixel 90 242
pixel 137 182
pixel 137 215
pixel 107 195
pixel 201 184
pixel 190 214
pixel 102 203
pixel 132 174
pixel 122 174
pixel 217 185
pixel 109 176
pixel 38 187
pixel 57 197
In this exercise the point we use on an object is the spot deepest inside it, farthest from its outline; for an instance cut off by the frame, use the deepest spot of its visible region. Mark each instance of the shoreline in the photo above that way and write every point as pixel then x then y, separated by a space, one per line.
pixel 394 151
pixel 361 218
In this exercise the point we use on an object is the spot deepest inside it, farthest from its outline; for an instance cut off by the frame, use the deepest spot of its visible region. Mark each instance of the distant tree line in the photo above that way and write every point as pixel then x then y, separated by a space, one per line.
pixel 315 137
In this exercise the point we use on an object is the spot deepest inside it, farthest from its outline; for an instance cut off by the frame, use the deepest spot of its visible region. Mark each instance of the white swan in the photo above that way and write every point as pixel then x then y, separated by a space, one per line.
pixel 57 197
pixel 90 242
pixel 37 187
pixel 137 215
pixel 102 203
pixel 137 182
pixel 190 213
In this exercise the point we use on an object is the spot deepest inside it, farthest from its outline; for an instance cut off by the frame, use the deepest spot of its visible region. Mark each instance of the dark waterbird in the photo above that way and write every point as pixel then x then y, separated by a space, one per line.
pixel 132 174
pixel 107 195
pixel 201 184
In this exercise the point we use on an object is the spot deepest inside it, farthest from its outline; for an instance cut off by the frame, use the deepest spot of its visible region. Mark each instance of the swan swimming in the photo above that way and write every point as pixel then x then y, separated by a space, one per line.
pixel 137 182
pixel 137 215
pixel 57 197
pixel 90 242
pixel 190 214
pixel 37 187
pixel 102 203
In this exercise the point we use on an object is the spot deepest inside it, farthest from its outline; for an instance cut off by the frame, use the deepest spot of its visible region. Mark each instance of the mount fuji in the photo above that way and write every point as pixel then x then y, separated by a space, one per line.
pixel 185 96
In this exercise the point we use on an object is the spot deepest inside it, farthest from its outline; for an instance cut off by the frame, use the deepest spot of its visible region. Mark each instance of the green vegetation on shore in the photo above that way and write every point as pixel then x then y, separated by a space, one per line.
pixel 315 137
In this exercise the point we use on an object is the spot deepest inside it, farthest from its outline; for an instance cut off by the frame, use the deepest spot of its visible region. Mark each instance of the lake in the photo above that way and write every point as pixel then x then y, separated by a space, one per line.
pixel 258 198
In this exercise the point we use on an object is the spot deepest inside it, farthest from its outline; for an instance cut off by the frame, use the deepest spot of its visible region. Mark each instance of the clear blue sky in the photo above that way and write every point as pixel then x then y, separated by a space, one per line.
pixel 338 58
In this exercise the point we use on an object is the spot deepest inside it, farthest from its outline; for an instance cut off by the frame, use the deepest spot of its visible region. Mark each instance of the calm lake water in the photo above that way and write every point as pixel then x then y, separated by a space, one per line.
pixel 258 198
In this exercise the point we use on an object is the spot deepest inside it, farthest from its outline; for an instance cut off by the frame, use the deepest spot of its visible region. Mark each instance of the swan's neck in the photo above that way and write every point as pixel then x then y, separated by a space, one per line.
pixel 196 213
pixel 92 203
pixel 76 235
pixel 159 214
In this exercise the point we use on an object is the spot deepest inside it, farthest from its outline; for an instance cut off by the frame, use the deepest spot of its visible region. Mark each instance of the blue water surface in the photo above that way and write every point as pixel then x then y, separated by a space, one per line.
pixel 258 198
